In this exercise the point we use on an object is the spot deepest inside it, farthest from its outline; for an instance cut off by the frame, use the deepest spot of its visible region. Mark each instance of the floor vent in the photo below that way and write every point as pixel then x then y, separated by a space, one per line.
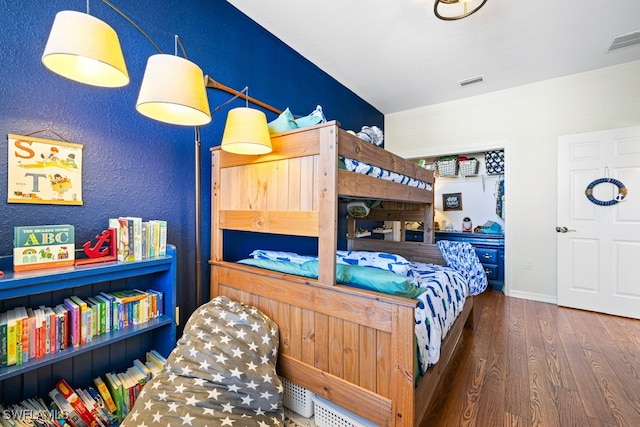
pixel 471 80
pixel 625 40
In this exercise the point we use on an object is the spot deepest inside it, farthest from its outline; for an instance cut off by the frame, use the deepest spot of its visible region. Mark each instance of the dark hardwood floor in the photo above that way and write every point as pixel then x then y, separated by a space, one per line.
pixel 528 363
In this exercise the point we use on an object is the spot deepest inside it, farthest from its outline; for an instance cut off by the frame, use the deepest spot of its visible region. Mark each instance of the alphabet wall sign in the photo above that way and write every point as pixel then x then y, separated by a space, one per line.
pixel 44 171
pixel 452 202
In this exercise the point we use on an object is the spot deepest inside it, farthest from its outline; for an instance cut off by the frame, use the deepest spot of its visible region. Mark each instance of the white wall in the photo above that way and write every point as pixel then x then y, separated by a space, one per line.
pixel 529 118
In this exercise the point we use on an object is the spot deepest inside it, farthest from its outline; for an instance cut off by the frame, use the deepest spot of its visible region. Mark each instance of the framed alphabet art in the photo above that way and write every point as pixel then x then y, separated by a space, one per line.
pixel 44 171
pixel 452 202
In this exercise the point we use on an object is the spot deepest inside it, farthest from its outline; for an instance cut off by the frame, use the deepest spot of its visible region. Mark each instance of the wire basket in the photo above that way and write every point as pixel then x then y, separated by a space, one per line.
pixel 469 167
pixel 448 167
pixel 328 414
pixel 430 166
pixel 297 398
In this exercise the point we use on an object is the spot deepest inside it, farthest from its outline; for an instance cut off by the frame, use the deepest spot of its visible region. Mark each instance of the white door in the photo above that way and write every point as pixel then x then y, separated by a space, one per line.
pixel 599 245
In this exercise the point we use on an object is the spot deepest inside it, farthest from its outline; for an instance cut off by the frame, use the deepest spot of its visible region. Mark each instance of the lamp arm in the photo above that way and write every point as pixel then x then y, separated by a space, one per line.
pixel 134 24
pixel 211 83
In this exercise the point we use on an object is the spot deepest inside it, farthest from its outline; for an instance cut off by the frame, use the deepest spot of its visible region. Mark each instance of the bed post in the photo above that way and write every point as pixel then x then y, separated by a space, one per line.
pixel 328 205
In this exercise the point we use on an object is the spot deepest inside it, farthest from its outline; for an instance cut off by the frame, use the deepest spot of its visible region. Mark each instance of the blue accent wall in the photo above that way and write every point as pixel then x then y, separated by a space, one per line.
pixel 132 165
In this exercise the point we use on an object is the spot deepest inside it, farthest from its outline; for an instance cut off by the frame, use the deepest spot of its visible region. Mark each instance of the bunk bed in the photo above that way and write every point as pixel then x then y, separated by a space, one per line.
pixel 353 347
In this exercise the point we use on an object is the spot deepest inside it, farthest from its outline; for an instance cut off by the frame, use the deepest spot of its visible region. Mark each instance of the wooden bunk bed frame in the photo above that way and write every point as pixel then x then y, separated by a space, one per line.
pixel 353 347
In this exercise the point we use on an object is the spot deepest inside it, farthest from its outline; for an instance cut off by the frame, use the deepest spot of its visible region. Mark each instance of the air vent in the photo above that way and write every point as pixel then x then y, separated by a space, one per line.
pixel 625 40
pixel 471 80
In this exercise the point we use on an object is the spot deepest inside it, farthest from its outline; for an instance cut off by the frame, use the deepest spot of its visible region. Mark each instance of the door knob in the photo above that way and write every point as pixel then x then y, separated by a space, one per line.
pixel 563 229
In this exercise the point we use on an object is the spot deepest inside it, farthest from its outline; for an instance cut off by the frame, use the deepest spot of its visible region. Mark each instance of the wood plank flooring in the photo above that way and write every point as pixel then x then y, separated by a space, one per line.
pixel 530 364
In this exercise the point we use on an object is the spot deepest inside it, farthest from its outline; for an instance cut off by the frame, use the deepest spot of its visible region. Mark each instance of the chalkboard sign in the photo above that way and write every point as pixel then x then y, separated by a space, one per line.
pixel 452 202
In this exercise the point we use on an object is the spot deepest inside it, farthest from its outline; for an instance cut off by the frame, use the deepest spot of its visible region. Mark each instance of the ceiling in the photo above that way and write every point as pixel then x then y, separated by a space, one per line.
pixel 396 55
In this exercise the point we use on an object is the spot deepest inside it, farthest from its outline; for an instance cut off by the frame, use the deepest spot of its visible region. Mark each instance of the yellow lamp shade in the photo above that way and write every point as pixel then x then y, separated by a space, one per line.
pixel 246 132
pixel 173 91
pixel 85 49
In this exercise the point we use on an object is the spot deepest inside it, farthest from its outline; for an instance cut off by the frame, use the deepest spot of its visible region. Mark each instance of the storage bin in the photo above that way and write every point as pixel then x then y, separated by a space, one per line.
pixel 448 167
pixel 328 414
pixel 431 166
pixel 297 398
pixel 468 167
pixel 494 162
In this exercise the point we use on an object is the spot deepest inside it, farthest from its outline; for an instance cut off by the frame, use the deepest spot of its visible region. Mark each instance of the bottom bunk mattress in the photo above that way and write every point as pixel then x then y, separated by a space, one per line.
pixel 441 291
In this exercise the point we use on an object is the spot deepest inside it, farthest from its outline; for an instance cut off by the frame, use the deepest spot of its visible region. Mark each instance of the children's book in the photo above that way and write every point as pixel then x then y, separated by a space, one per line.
pixel 43 246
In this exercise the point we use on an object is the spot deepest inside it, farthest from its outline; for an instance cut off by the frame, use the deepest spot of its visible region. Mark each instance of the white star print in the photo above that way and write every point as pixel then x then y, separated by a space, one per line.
pixel 204 365
pixel 186 370
pixel 253 347
pixel 199 382
pixel 251 366
pixel 227 422
pixel 208 345
pixel 217 378
pixel 235 372
pixel 255 327
pixel 214 394
pixel 163 396
pixel 247 400
pixel 252 385
pixel 180 389
pixel 134 415
pixel 192 400
pixel 173 407
pixel 241 334
pixel 221 358
pixel 227 407
pixel 193 352
pixel 233 388
pixel 147 405
pixel 208 411
pixel 237 352
pixel 267 378
pixel 225 339
pixel 157 416
pixel 187 419
pixel 266 395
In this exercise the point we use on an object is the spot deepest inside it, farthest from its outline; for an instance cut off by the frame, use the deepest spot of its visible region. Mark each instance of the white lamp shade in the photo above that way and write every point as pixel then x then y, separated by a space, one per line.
pixel 85 49
pixel 173 91
pixel 246 132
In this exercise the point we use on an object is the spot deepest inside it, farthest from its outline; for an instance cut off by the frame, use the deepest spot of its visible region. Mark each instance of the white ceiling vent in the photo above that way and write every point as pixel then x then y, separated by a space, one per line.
pixel 471 80
pixel 625 40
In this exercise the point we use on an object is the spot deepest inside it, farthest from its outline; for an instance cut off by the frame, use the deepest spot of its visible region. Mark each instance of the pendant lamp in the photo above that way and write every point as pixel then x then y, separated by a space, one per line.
pixel 246 132
pixel 452 10
pixel 173 91
pixel 85 49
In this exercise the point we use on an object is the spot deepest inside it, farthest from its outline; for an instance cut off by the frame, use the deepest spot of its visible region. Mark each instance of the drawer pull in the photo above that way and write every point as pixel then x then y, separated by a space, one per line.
pixel 486 256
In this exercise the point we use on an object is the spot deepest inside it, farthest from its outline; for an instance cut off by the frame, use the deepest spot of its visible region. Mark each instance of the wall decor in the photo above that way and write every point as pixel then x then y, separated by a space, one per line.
pixel 44 171
pixel 452 202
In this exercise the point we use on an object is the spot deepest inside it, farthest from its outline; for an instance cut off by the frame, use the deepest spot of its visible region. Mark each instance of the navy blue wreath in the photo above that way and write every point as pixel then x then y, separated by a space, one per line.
pixel 622 191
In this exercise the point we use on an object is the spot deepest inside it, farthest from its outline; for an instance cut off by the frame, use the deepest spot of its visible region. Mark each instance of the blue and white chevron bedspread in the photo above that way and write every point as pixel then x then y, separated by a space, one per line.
pixel 376 172
pixel 438 307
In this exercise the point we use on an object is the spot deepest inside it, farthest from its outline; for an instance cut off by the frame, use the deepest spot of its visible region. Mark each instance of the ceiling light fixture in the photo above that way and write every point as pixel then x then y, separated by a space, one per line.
pixel 452 10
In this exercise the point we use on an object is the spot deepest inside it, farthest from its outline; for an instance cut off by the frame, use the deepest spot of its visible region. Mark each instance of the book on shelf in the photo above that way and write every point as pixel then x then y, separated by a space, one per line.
pixel 62 313
pixel 65 406
pixel 43 246
pixel 74 321
pixel 107 398
pixel 115 388
pixel 85 319
pixel 94 408
pixel 78 405
pixel 3 339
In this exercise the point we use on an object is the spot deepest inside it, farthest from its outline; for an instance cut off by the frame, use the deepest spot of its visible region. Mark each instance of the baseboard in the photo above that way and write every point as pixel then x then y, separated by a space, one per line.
pixel 551 299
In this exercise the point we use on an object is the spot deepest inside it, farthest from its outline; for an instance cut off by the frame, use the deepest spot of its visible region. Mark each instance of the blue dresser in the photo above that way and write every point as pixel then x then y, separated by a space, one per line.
pixel 490 250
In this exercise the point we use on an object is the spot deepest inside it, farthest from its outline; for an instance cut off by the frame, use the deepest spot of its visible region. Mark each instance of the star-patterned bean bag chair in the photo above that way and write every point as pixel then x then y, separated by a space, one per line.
pixel 221 373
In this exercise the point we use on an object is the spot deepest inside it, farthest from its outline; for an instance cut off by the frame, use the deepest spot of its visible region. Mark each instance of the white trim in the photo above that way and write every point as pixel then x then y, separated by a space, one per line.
pixel 534 297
